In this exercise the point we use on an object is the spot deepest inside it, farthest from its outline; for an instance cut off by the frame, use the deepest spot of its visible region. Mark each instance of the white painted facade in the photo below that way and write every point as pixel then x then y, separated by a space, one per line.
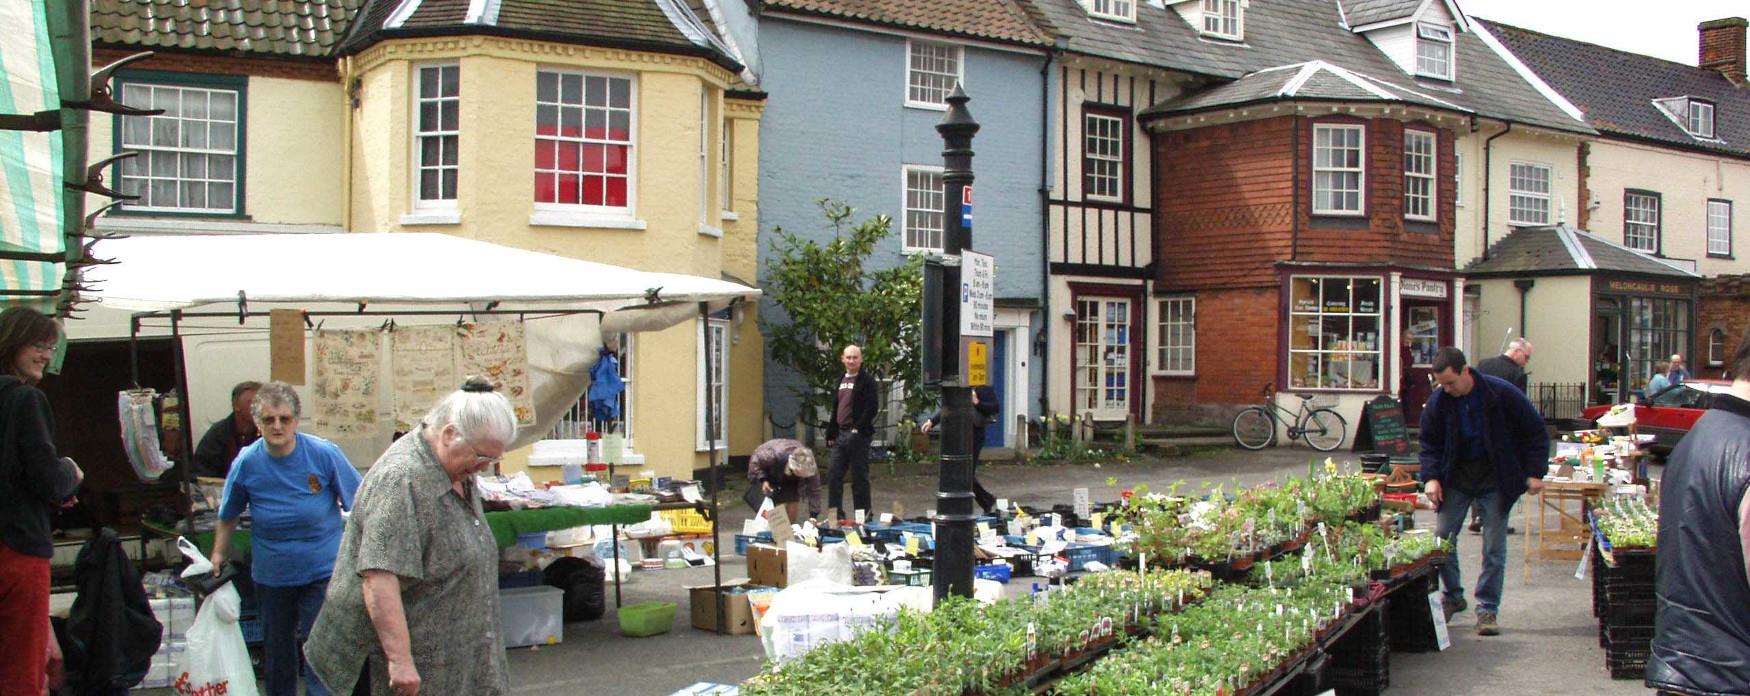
pixel 1684 182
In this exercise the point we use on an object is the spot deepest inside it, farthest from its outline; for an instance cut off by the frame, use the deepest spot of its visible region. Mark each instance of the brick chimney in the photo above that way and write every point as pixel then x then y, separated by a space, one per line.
pixel 1722 47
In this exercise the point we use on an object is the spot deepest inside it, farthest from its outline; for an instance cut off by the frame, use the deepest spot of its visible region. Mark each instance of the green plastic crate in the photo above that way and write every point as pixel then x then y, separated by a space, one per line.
pixel 646 618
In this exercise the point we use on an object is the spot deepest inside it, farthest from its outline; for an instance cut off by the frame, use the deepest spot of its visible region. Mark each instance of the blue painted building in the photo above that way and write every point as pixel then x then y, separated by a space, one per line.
pixel 855 91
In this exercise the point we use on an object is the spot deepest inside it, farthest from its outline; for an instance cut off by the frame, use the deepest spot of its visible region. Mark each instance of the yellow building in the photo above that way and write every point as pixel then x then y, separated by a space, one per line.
pixel 615 132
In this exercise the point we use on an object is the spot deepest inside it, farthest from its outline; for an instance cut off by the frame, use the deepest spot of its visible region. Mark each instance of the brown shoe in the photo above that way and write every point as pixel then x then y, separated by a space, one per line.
pixel 1454 607
pixel 1486 625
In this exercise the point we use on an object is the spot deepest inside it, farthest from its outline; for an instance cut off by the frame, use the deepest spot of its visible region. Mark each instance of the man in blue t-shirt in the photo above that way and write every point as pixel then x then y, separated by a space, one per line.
pixel 295 486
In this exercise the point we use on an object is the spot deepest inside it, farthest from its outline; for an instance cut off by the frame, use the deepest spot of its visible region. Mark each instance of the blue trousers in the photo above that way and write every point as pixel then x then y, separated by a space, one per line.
pixel 286 616
pixel 1453 509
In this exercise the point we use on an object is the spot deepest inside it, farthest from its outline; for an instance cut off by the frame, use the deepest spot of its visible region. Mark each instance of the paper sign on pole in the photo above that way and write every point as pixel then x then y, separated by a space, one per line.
pixel 286 345
pixel 1437 609
pixel 1083 505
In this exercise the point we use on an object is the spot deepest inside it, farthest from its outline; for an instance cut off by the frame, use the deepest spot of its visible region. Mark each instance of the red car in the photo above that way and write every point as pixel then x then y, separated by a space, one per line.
pixel 1669 414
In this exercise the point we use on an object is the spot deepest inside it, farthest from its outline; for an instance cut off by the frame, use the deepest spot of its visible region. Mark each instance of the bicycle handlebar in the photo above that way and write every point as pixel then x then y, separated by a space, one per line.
pixel 1269 387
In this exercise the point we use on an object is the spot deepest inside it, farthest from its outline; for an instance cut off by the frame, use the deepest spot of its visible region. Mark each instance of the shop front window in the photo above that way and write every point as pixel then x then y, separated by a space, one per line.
pixel 1423 329
pixel 1656 329
pixel 1334 329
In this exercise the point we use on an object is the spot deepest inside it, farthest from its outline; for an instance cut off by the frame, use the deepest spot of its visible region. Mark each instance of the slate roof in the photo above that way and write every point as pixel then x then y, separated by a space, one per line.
pixel 1311 81
pixel 1283 33
pixel 1562 249
pixel 663 26
pixel 1006 21
pixel 307 28
pixel 1361 13
pixel 1616 89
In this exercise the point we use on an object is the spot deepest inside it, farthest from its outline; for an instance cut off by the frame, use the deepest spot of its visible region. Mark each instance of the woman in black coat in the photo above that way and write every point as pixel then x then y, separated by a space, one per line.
pixel 34 480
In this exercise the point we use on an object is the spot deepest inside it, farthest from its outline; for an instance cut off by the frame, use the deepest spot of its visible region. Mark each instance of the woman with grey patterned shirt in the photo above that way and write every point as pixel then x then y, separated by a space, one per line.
pixel 413 605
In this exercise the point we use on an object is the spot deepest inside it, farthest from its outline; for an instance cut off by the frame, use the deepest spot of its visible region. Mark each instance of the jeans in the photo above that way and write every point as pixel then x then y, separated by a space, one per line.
pixel 286 616
pixel 1451 521
pixel 850 453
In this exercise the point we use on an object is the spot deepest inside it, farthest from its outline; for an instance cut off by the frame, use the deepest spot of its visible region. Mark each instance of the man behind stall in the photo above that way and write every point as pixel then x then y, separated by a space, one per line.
pixel 229 435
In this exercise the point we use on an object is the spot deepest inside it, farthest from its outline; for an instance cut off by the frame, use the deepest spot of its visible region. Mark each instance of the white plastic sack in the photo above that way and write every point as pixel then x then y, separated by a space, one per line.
pixel 216 660
pixel 831 563
pixel 817 612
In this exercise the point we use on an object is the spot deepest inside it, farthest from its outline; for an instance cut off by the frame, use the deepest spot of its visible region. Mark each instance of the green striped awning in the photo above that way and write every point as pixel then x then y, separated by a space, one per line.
pixel 31 174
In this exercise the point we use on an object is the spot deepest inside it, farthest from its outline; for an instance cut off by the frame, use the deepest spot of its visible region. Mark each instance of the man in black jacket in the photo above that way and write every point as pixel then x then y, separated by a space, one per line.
pixel 228 435
pixel 855 404
pixel 986 406
pixel 1509 366
pixel 1481 440
pixel 1701 634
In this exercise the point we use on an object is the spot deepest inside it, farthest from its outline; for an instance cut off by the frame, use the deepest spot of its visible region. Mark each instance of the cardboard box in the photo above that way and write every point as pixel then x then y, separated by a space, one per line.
pixel 768 565
pixel 737 613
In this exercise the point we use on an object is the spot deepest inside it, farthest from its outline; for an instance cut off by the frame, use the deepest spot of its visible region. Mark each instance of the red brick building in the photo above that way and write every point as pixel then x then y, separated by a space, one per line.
pixel 1722 317
pixel 1314 233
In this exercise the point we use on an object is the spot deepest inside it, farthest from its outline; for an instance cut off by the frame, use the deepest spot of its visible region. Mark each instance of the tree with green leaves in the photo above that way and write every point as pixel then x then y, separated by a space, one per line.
pixel 831 298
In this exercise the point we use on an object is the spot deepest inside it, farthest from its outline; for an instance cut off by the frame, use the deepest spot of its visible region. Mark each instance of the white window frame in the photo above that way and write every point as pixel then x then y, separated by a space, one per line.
pixel 584 214
pixel 721 374
pixel 726 170
pixel 136 175
pixel 1716 347
pixel 914 74
pixel 1641 220
pixel 1458 179
pixel 628 396
pixel 433 210
pixel 710 211
pixel 1094 397
pixel 1435 36
pixel 1523 202
pixel 1089 156
pixel 1699 119
pixel 905 206
pixel 1329 169
pixel 1115 10
pixel 1719 228
pixel 1220 12
pixel 1316 317
pixel 1421 164
pixel 1175 336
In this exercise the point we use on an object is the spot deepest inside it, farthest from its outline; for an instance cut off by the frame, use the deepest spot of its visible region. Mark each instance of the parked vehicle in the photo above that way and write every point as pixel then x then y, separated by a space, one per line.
pixel 1669 414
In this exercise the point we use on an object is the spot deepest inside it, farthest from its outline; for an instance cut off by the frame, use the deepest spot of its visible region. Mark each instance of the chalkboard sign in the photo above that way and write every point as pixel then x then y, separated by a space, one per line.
pixel 1382 427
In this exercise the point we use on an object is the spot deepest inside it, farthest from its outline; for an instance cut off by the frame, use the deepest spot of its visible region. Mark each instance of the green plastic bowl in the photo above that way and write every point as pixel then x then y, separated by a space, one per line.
pixel 646 618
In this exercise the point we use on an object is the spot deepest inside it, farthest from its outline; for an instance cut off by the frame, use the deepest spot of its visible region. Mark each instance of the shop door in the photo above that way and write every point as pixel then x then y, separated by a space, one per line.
pixel 999 381
pixel 1424 333
pixel 1103 357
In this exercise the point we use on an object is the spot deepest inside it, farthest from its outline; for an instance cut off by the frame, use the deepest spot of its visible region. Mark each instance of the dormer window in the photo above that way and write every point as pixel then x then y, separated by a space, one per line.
pixel 1118 10
pixel 1701 119
pixel 1434 51
pixel 1221 18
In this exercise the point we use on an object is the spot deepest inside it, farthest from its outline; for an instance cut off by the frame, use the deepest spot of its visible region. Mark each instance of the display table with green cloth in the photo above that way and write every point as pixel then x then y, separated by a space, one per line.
pixel 505 525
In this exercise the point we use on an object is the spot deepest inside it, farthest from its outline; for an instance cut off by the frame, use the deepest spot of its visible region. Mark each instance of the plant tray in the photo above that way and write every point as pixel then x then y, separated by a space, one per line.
pixel 1080 555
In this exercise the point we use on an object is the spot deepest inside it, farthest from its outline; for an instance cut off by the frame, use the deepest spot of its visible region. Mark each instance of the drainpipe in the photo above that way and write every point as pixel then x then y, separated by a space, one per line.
pixel 1524 285
pixel 1045 322
pixel 1488 176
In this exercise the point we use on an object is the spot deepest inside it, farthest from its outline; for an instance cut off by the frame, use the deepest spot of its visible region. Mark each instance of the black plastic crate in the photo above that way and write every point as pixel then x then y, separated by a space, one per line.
pixel 1629 614
pixel 1628 637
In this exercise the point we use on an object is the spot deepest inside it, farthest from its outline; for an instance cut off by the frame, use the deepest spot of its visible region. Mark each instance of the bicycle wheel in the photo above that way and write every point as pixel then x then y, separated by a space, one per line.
pixel 1254 429
pixel 1324 429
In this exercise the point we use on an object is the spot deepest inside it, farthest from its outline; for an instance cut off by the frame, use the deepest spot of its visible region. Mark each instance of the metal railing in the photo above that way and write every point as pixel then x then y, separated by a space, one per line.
pixel 1557 401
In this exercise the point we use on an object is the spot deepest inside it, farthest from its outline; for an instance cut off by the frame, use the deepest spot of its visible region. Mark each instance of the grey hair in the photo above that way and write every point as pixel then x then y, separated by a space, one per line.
pixel 275 393
pixel 478 415
pixel 801 464
pixel 1521 343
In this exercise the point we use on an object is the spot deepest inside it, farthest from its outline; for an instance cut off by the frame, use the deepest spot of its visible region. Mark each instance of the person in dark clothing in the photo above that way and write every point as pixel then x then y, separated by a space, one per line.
pixel 1509 366
pixel 848 433
pixel 1701 628
pixel 1481 439
pixel 34 481
pixel 111 633
pixel 985 402
pixel 785 471
pixel 229 435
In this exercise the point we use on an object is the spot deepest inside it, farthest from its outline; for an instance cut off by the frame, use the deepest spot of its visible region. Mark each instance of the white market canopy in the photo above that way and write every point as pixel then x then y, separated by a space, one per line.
pixel 157 273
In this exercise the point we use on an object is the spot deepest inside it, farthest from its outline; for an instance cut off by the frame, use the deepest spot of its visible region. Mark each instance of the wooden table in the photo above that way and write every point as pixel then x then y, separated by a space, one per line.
pixel 1560 529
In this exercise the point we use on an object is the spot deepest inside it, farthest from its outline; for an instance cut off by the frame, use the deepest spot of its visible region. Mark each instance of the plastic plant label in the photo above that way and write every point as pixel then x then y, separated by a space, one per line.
pixel 911 544
pixel 886 518
pixel 1437 612
pixel 983 530
pixel 1003 504
pixel 1099 520
pixel 1032 537
pixel 854 539
pixel 860 516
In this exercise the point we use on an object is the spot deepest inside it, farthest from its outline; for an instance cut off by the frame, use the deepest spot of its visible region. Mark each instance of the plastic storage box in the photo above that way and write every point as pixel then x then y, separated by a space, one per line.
pixel 646 618
pixel 532 615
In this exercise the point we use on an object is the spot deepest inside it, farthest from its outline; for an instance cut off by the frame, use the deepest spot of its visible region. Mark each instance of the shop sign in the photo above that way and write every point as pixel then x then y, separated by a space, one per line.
pixel 1417 287
pixel 1645 287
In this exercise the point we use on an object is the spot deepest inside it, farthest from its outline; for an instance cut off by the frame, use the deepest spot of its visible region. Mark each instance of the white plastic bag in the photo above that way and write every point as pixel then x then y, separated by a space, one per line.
pixel 831 562
pixel 216 660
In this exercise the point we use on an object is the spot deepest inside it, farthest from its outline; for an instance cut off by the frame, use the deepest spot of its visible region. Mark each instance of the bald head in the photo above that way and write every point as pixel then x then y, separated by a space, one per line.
pixel 852 357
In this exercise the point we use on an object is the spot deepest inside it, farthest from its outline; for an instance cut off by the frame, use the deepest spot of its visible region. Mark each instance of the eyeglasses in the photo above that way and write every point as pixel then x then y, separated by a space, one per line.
pixel 44 346
pixel 279 420
pixel 481 459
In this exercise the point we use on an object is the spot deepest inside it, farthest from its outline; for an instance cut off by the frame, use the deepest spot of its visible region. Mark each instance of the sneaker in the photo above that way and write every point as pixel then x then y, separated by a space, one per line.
pixel 1476 526
pixel 1486 625
pixel 1512 530
pixel 1454 607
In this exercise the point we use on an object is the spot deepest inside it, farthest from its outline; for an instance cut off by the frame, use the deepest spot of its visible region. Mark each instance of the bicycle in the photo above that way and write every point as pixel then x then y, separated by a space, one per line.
pixel 1255 426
